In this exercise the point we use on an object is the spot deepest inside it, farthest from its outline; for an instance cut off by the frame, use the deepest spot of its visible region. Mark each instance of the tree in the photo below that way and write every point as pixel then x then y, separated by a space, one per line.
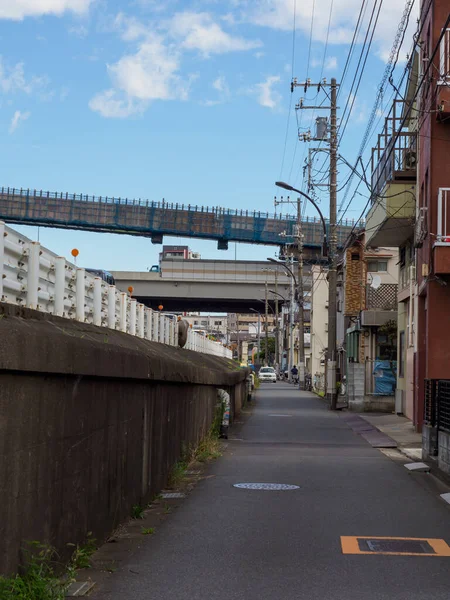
pixel 262 354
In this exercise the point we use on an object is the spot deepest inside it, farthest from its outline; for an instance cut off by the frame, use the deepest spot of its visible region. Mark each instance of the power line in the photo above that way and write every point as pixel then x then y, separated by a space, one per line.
pixel 352 96
pixel 398 41
pixel 407 115
pixel 292 89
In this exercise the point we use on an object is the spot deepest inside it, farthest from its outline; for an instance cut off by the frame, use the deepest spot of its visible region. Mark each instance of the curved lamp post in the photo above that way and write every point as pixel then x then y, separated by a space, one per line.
pixel 289 188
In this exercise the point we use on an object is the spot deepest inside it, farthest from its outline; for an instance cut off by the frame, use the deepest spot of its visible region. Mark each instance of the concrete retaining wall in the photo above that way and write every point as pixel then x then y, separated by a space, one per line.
pixel 429 439
pixel 91 422
pixel 444 451
pixel 358 400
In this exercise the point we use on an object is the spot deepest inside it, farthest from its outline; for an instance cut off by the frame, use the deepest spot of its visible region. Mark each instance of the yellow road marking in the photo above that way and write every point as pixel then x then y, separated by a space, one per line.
pixel 350 546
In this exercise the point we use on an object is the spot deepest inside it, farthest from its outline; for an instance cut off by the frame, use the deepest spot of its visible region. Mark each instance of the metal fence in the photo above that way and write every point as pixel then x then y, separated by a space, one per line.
pixel 430 412
pixel 36 278
pixel 437 403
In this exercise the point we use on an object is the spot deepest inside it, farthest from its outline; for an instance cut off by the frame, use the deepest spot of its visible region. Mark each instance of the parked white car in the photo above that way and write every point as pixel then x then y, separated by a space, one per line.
pixel 267 374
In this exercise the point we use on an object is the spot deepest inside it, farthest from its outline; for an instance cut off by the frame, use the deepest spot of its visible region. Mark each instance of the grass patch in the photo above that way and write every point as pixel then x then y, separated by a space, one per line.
pixel 148 530
pixel 37 580
pixel 81 557
pixel 177 473
pixel 209 448
pixel 137 512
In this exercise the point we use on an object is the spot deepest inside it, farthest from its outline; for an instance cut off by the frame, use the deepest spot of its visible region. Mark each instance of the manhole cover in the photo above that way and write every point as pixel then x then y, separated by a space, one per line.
pixel 266 486
pixel 397 546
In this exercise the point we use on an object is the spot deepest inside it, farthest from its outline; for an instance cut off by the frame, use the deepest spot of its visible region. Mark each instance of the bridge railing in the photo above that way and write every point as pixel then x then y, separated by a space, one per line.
pixel 144 217
pixel 34 277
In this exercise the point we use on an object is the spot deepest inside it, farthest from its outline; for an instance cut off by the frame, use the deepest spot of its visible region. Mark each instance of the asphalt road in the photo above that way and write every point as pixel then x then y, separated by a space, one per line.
pixel 227 543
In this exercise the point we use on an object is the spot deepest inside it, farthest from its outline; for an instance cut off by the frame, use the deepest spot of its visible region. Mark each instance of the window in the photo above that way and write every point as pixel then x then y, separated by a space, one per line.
pixel 401 355
pixel 217 322
pixel 204 323
pixel 195 322
pixel 355 256
pixel 377 266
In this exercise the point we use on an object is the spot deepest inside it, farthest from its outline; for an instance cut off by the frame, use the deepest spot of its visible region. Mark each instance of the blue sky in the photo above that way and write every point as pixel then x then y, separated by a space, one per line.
pixel 182 100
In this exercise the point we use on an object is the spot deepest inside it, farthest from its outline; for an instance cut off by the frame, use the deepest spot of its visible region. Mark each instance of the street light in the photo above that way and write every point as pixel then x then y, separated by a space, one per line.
pixel 291 273
pixel 288 187
pixel 278 294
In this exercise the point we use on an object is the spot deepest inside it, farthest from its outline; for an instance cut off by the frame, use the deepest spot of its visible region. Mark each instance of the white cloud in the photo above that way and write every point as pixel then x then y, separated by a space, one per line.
pixel 114 104
pixel 221 86
pixel 198 31
pixel 12 79
pixel 18 117
pixel 80 31
pixel 266 95
pixel 20 9
pixel 152 71
pixel 278 14
pixel 331 63
pixel 149 74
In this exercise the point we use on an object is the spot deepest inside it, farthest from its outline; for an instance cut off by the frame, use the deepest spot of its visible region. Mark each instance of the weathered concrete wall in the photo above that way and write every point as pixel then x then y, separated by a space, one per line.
pixel 429 442
pixel 355 386
pixel 444 451
pixel 91 422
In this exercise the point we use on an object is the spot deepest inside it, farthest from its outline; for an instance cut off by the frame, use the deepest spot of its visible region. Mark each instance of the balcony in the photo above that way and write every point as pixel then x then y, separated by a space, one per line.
pixel 381 305
pixel 390 220
pixel 443 83
pixel 442 243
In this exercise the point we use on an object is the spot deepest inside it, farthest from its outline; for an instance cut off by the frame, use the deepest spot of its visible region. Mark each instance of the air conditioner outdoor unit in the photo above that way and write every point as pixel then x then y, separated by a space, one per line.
pixel 410 161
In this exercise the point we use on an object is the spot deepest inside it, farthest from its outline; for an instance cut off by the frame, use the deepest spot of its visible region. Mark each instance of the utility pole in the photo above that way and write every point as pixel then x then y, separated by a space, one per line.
pixel 267 327
pixel 297 249
pixel 277 329
pixel 259 336
pixel 237 338
pixel 332 273
pixel 322 136
pixel 301 324
pixel 291 324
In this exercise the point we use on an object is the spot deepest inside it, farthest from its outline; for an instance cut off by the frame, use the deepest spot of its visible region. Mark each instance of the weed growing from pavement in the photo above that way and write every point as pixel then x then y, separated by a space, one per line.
pixel 167 509
pixel 43 576
pixel 148 530
pixel 37 580
pixel 177 473
pixel 208 449
pixel 137 512
pixel 81 557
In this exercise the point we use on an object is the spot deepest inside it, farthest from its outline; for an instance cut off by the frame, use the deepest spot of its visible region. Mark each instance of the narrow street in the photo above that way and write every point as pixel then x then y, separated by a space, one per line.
pixel 247 544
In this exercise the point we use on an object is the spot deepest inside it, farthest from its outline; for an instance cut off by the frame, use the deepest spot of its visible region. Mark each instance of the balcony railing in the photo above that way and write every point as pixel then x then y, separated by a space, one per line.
pixel 394 158
pixel 443 224
pixel 444 59
pixel 382 298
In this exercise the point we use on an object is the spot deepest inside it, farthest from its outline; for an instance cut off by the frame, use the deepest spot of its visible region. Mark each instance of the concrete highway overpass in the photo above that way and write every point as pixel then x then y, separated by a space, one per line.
pixel 204 296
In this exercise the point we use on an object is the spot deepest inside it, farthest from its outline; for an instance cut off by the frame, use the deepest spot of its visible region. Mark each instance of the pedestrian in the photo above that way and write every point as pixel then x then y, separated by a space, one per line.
pixel 294 373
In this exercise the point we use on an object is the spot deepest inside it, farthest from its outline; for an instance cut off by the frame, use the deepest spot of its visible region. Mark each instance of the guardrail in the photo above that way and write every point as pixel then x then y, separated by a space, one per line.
pixel 37 278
